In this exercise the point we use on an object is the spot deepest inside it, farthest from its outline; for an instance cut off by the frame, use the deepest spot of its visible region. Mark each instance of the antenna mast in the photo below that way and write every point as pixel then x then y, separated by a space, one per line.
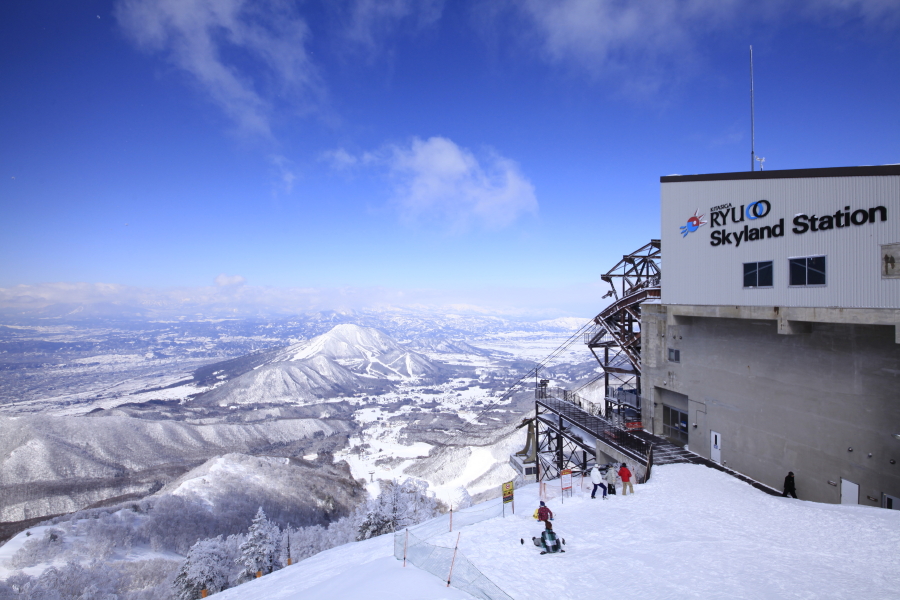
pixel 752 130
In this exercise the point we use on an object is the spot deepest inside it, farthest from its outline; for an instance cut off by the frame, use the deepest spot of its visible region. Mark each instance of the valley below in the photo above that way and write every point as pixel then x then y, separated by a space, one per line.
pixel 96 413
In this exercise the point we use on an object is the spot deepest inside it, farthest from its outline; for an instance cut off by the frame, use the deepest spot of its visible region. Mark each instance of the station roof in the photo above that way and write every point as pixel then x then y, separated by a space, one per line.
pixel 789 174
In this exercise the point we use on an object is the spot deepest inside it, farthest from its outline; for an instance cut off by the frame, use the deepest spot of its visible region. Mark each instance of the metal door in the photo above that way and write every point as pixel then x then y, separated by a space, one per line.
pixel 715 447
pixel 849 492
pixel 891 502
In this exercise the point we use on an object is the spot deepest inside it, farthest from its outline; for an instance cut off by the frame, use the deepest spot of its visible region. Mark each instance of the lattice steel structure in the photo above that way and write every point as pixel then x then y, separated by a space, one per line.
pixel 569 429
pixel 615 339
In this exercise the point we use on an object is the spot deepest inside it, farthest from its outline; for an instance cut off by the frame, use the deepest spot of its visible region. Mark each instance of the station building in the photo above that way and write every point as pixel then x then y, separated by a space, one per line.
pixel 775 345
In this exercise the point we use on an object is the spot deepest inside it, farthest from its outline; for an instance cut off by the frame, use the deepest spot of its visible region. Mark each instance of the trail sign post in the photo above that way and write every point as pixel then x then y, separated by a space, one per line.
pixel 508 497
pixel 565 480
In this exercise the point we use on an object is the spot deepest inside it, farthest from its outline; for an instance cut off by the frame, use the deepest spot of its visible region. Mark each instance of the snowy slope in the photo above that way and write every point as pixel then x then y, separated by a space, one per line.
pixel 288 382
pixel 72 462
pixel 364 350
pixel 361 570
pixel 691 532
pixel 290 484
pixel 346 360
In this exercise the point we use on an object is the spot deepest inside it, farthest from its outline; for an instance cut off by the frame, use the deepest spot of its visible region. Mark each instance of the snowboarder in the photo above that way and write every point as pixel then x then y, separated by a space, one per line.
pixel 597 480
pixel 789 487
pixel 548 540
pixel 543 513
pixel 611 478
pixel 626 476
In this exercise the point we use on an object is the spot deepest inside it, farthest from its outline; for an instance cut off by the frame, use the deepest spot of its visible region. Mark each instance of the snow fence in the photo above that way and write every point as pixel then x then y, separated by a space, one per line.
pixel 447 563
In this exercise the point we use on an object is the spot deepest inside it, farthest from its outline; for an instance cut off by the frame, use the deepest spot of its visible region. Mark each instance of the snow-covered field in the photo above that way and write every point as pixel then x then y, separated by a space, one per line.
pixel 691 532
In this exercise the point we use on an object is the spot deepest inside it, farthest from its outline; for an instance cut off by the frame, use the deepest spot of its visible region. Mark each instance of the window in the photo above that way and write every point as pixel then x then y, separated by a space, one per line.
pixel 807 271
pixel 758 274
pixel 674 355
pixel 675 426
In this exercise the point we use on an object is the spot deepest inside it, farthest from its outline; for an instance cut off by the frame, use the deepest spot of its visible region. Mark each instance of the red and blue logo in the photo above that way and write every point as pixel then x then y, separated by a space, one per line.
pixel 693 224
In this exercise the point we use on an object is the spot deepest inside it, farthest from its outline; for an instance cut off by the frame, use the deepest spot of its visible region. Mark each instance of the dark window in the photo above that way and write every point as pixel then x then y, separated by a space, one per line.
pixel 675 425
pixel 758 274
pixel 674 355
pixel 807 271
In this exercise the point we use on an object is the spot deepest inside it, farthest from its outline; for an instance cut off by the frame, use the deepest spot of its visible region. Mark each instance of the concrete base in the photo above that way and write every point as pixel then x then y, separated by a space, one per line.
pixel 786 390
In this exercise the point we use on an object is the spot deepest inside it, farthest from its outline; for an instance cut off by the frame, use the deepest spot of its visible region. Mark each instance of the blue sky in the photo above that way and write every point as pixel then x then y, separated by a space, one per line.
pixel 498 153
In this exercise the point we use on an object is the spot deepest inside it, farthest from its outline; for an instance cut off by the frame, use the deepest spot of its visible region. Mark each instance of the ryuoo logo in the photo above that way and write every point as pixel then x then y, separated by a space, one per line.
pixel 692 224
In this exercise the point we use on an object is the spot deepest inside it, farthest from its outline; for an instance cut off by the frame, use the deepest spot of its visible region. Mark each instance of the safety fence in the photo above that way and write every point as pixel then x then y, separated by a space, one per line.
pixel 447 563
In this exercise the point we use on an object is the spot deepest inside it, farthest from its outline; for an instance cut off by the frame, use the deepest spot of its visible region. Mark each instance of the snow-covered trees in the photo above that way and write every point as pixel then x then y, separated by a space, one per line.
pixel 205 568
pixel 261 549
pixel 398 505
pixel 141 580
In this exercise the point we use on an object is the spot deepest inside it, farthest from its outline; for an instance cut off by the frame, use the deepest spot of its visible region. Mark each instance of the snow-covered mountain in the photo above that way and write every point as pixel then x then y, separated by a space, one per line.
pixel 363 350
pixel 443 345
pixel 321 491
pixel 53 465
pixel 289 382
pixel 344 361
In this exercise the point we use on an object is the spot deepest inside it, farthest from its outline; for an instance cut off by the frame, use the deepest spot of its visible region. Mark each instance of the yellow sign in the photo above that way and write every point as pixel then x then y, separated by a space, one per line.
pixel 507 492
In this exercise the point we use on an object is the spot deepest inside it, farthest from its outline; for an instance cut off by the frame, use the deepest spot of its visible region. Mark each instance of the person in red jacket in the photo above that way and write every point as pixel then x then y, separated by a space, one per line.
pixel 626 476
pixel 544 513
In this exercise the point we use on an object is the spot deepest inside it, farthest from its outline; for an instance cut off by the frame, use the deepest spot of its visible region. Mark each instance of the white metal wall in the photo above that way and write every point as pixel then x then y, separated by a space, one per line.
pixel 694 272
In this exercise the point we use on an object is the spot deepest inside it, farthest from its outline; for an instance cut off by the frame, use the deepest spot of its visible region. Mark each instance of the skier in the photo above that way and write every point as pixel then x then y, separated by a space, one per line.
pixel 611 478
pixel 597 480
pixel 789 487
pixel 548 540
pixel 543 513
pixel 626 476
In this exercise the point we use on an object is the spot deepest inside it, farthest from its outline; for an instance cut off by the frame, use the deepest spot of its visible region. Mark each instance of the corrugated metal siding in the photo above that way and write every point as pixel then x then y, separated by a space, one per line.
pixel 694 272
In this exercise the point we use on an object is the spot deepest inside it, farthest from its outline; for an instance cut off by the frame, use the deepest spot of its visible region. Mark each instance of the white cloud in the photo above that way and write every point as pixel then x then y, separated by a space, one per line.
pixel 84 300
pixel 371 21
pixel 340 159
pixel 644 41
pixel 285 173
pixel 223 280
pixel 437 180
pixel 242 54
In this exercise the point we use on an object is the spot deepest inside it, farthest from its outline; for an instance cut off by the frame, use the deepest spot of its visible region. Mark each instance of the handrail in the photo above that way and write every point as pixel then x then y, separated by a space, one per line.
pixel 604 429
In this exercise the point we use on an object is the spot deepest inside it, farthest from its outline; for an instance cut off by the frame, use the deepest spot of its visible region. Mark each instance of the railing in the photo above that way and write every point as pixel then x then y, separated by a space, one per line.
pixel 602 429
pixel 606 338
pixel 584 404
pixel 626 397
pixel 618 405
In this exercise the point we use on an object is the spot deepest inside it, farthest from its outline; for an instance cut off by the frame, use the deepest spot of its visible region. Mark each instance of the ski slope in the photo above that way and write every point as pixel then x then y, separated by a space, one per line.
pixel 691 532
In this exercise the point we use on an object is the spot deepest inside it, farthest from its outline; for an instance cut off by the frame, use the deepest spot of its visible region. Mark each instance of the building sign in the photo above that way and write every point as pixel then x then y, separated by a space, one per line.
pixel 693 224
pixel 727 214
pixel 507 492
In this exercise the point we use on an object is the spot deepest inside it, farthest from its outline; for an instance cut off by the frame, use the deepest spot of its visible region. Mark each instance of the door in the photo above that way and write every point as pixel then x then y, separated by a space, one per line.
pixel 715 447
pixel 675 425
pixel 849 492
pixel 890 502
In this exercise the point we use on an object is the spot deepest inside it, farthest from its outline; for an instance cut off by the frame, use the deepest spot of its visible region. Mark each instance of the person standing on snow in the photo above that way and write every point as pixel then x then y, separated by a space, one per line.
pixel 626 476
pixel 597 480
pixel 789 487
pixel 611 478
pixel 543 513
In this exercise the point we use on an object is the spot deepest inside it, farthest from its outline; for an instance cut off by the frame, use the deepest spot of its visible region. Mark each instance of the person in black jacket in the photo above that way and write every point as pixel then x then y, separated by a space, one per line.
pixel 789 487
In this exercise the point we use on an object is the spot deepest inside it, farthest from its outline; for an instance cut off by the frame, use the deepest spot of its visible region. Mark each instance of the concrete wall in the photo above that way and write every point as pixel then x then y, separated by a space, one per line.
pixel 606 454
pixel 784 402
